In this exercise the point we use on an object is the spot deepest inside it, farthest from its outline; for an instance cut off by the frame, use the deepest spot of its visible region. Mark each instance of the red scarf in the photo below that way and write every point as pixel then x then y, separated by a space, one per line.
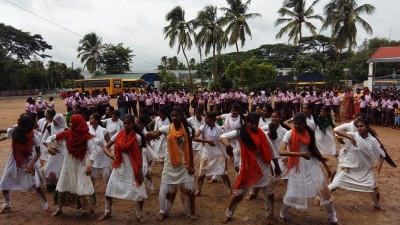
pixel 250 172
pixel 128 143
pixel 76 138
pixel 295 141
pixel 22 151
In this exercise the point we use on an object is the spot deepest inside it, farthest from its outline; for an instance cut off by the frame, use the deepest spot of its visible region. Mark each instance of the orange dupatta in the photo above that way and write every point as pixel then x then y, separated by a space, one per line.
pixel 173 147
pixel 250 172
pixel 295 141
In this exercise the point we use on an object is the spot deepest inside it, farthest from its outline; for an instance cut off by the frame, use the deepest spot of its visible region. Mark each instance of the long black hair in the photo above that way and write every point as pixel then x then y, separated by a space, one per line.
pixel 312 146
pixel 244 135
pixel 186 124
pixel 25 125
pixel 387 158
pixel 137 130
pixel 272 128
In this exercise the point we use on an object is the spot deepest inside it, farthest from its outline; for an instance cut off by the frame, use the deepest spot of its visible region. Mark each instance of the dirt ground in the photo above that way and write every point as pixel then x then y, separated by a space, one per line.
pixel 352 208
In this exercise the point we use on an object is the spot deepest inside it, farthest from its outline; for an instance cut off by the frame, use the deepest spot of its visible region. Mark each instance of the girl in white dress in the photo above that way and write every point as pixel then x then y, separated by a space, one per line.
pixel 126 180
pixel 100 137
pixel 22 172
pixel 255 171
pixel 52 168
pixel 160 145
pixel 74 187
pixel 213 156
pixel 178 169
pixel 196 122
pixel 356 172
pixel 113 124
pixel 233 121
pixel 324 136
pixel 305 178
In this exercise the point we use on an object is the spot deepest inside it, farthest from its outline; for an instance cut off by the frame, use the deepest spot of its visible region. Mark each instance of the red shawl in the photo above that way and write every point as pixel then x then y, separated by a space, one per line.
pixel 250 172
pixel 128 143
pixel 76 138
pixel 295 141
pixel 22 151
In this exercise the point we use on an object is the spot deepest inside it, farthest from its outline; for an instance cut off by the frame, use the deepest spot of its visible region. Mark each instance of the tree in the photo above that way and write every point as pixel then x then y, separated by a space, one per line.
pixel 295 14
pixel 281 55
pixel 320 48
pixel 164 62
pixel 179 31
pixel 56 71
pixel 21 45
pixel 116 58
pixel 90 51
pixel 342 16
pixel 211 34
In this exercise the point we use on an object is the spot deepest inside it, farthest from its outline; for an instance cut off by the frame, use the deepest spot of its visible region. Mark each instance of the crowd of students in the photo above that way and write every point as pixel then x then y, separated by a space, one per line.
pixel 284 136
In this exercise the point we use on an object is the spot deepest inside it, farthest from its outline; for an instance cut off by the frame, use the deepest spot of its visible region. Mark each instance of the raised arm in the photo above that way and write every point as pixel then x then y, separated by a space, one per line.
pixel 288 123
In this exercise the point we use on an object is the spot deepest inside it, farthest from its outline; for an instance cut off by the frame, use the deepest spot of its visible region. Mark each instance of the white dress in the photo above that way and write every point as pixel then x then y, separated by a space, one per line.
pixel 231 124
pixel 357 168
pixel 306 183
pixel 74 187
pixel 346 127
pixel 101 163
pixel 160 145
pixel 197 146
pixel 265 167
pixel 16 178
pixel 122 182
pixel 264 121
pixel 42 125
pixel 213 159
pixel 282 160
pixel 174 174
pixel 325 142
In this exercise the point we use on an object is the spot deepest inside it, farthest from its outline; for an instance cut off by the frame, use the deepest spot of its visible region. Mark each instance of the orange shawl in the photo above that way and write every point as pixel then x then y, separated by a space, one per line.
pixel 128 144
pixel 295 141
pixel 250 172
pixel 173 147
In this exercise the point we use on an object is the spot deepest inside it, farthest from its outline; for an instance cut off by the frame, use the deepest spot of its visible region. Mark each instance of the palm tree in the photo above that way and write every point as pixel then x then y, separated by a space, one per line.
pixel 295 14
pixel 343 16
pixel 90 51
pixel 179 31
pixel 235 17
pixel 211 34
pixel 164 62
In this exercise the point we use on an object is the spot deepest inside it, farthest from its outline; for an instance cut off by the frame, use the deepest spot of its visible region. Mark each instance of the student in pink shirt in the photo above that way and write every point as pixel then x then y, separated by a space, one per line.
pixel 336 106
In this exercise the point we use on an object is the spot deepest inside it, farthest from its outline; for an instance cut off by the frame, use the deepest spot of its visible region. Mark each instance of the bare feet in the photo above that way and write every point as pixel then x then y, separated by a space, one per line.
pixel 142 220
pixel 46 212
pixel 212 181
pixel 160 217
pixel 56 213
pixel 193 217
pixel 105 216
pixel 378 207
pixel 250 197
pixel 5 209
pixel 336 223
pixel 227 220
pixel 198 193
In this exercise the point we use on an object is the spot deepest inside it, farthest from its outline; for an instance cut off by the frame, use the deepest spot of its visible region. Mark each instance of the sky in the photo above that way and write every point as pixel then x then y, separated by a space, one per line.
pixel 138 24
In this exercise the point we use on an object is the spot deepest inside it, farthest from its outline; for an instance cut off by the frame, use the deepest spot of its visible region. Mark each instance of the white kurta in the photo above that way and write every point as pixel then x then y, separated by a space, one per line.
pixel 197 146
pixel 231 124
pixel 213 158
pixel 16 178
pixel 54 162
pixel 122 183
pixel 101 160
pixel 306 183
pixel 160 145
pixel 325 142
pixel 357 168
pixel 282 160
pixel 346 127
pixel 42 125
pixel 174 174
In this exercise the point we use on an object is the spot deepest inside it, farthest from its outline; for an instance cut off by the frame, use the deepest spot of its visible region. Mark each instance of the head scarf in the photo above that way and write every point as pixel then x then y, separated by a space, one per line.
pixel 295 141
pixel 76 138
pixel 59 118
pixel 250 172
pixel 174 148
pixel 129 144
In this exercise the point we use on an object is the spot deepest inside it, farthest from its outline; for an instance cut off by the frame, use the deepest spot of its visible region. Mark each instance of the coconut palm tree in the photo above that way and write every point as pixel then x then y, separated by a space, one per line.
pixel 89 51
pixel 179 31
pixel 236 17
pixel 211 34
pixel 343 16
pixel 295 15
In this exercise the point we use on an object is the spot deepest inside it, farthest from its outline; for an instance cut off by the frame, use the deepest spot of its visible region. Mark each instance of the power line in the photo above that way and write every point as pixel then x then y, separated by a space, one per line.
pixel 44 18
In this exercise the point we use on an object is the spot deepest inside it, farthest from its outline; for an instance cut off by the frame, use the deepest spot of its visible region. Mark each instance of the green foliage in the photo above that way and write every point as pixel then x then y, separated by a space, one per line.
pixel 89 51
pixel 333 76
pixel 21 45
pixel 116 58
pixel 280 55
pixel 306 64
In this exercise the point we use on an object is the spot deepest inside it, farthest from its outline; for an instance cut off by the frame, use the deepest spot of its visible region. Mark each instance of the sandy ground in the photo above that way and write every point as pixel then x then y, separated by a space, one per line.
pixel 351 207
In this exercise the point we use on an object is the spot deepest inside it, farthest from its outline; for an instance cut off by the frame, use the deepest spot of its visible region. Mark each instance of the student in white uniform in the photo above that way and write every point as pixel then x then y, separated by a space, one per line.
pixel 324 136
pixel 213 158
pixel 196 122
pixel 160 144
pixel 126 180
pixel 21 172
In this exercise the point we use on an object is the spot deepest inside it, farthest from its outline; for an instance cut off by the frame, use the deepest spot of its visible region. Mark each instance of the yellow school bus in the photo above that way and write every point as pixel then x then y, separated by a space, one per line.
pixel 113 86
pixel 135 84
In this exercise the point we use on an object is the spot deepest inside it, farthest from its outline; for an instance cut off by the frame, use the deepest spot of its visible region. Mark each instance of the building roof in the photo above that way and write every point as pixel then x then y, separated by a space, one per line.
pixel 123 76
pixel 385 54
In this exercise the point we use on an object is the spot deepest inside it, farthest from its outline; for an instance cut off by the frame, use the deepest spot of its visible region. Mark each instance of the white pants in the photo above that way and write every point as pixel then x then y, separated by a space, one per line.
pixel 168 193
pixel 330 209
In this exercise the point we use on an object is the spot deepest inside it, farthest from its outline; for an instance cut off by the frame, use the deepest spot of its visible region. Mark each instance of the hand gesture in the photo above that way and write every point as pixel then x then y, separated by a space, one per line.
pixel 278 171
pixel 211 142
pixel 140 177
pixel 353 141
pixel 88 171
pixel 229 151
pixel 30 169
